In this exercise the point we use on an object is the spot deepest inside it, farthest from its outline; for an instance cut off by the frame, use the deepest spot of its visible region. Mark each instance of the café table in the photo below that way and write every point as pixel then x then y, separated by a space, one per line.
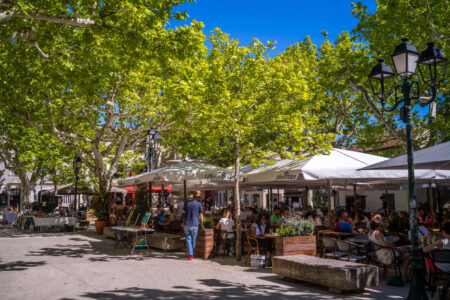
pixel 139 241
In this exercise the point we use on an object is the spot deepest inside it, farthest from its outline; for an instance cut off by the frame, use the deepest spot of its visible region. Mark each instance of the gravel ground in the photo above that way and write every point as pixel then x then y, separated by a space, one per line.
pixel 82 265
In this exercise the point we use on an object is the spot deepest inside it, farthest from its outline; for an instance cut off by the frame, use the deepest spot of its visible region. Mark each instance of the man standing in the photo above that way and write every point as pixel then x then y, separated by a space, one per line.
pixel 192 210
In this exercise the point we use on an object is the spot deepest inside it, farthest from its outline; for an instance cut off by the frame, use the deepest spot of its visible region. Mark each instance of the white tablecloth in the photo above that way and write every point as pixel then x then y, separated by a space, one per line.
pixel 54 221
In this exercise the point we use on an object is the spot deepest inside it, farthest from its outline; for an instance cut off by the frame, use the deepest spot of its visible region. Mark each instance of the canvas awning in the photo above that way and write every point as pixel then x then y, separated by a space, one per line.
pixel 434 157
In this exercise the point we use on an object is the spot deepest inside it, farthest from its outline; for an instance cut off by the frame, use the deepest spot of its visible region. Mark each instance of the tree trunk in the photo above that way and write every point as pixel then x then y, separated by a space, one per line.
pixel 237 203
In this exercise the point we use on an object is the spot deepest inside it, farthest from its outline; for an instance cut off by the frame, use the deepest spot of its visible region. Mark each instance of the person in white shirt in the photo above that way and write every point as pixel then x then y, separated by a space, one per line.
pixel 441 244
pixel 226 224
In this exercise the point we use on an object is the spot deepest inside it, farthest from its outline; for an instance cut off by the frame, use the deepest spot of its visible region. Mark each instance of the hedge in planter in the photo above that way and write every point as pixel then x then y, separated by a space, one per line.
pixel 296 237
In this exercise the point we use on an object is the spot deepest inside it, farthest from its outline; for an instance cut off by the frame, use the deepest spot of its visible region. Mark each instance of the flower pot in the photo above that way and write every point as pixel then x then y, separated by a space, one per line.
pixel 99 226
pixel 285 246
pixel 204 245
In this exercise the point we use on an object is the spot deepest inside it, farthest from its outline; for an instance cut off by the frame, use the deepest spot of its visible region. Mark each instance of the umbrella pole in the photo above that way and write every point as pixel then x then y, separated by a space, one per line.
pixel 329 194
pixel 162 196
pixel 184 190
pixel 355 198
pixel 430 202
pixel 150 201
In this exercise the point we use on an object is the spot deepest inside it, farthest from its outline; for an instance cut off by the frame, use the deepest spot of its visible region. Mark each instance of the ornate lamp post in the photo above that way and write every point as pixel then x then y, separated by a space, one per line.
pixel 76 164
pixel 406 59
pixel 153 144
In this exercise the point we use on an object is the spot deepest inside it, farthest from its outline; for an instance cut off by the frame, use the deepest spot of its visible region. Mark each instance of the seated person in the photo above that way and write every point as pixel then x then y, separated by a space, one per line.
pixel 112 218
pixel 257 232
pixel 161 219
pixel 174 216
pixel 361 220
pixel 440 244
pixel 275 217
pixel 286 215
pixel 226 224
pixel 422 233
pixel 384 255
pixel 314 218
pixel 343 225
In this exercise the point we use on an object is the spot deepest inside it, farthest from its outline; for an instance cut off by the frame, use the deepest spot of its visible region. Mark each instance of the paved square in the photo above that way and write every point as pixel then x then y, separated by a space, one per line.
pixel 82 265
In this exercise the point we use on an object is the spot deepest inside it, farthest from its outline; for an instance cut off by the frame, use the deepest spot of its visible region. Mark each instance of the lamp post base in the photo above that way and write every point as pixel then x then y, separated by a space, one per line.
pixel 417 288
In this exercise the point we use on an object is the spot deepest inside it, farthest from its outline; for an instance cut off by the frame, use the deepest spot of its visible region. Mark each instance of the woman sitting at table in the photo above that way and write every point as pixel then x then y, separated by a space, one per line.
pixel 440 244
pixel 315 219
pixel 226 224
pixel 257 232
pixel 385 255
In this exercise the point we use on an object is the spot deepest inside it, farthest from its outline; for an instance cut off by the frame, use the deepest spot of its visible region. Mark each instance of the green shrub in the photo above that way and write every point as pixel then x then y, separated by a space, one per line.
pixel 295 226
pixel 208 223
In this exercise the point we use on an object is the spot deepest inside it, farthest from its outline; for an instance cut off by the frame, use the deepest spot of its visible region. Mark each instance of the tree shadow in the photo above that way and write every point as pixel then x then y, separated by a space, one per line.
pixel 215 289
pixel 20 265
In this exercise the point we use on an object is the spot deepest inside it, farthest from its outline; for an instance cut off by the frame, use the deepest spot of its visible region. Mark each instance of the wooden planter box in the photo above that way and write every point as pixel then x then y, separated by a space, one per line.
pixel 285 246
pixel 204 245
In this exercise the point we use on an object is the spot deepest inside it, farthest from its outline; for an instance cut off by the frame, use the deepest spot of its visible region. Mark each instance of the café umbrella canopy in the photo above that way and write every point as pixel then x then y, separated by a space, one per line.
pixel 179 172
pixel 434 157
pixel 314 168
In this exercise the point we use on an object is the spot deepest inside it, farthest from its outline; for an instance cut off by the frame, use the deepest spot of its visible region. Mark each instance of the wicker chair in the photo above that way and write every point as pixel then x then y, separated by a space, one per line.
pixel 253 245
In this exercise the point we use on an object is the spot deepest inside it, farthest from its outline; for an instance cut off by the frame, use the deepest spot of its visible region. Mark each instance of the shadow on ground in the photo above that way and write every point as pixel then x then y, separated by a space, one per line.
pixel 20 265
pixel 216 289
pixel 220 289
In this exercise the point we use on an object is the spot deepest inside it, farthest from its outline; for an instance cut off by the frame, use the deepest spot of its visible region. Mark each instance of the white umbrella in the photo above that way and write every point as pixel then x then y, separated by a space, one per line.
pixel 434 157
pixel 317 167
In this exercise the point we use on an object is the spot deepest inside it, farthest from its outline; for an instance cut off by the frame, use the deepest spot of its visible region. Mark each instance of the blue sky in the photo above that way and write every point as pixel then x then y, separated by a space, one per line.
pixel 285 21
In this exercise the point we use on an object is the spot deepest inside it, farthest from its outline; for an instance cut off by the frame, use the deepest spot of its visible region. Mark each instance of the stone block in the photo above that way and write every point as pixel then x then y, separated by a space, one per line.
pixel 165 241
pixel 337 275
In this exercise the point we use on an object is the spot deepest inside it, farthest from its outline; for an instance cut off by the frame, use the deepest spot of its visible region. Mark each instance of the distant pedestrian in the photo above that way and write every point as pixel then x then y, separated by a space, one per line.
pixel 193 209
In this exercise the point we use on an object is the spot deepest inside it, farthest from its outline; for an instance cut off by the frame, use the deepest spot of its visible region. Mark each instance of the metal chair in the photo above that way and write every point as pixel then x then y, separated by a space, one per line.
pixel 349 249
pixel 372 258
pixel 224 242
pixel 328 248
pixel 438 257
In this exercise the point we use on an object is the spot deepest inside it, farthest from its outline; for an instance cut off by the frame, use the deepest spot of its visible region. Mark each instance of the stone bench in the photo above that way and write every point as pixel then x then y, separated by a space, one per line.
pixel 337 275
pixel 165 241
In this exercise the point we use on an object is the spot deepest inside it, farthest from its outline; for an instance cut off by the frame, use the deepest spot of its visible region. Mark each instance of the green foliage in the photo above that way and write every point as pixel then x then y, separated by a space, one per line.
pixel 286 231
pixel 295 226
pixel 142 203
pixel 208 223
pixel 100 208
pixel 399 223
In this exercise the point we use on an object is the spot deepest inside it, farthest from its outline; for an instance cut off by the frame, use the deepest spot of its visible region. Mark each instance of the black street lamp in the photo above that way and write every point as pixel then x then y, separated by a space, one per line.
pixel 76 164
pixel 406 59
pixel 42 181
pixel 153 144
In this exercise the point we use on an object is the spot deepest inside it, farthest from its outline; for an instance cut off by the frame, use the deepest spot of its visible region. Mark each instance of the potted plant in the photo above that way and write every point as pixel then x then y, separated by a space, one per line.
pixel 296 236
pixel 204 244
pixel 100 207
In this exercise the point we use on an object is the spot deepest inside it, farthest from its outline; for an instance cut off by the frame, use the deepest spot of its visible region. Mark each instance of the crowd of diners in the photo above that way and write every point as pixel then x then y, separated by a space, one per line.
pixel 352 221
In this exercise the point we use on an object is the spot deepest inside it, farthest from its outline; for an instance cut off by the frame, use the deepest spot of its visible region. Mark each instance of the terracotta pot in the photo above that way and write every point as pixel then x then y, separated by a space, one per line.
pixel 204 245
pixel 99 226
pixel 285 246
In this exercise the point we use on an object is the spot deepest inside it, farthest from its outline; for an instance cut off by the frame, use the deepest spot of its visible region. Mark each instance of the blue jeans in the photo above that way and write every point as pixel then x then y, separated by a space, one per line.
pixel 191 235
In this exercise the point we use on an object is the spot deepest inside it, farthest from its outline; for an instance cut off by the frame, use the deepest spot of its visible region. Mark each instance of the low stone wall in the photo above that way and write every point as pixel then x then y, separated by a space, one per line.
pixel 337 275
pixel 166 241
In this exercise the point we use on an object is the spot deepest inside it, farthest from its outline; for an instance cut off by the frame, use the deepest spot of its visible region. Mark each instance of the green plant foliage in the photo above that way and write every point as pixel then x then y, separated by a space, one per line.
pixel 142 204
pixel 208 223
pixel 399 223
pixel 295 226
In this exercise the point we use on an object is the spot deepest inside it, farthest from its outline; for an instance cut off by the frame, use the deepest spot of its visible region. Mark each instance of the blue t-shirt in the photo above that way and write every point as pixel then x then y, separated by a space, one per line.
pixel 191 211
pixel 161 218
pixel 345 227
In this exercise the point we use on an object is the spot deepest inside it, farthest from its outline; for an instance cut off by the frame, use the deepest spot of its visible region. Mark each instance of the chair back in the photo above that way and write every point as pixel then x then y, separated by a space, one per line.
pixel 328 243
pixel 344 246
pixel 440 256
